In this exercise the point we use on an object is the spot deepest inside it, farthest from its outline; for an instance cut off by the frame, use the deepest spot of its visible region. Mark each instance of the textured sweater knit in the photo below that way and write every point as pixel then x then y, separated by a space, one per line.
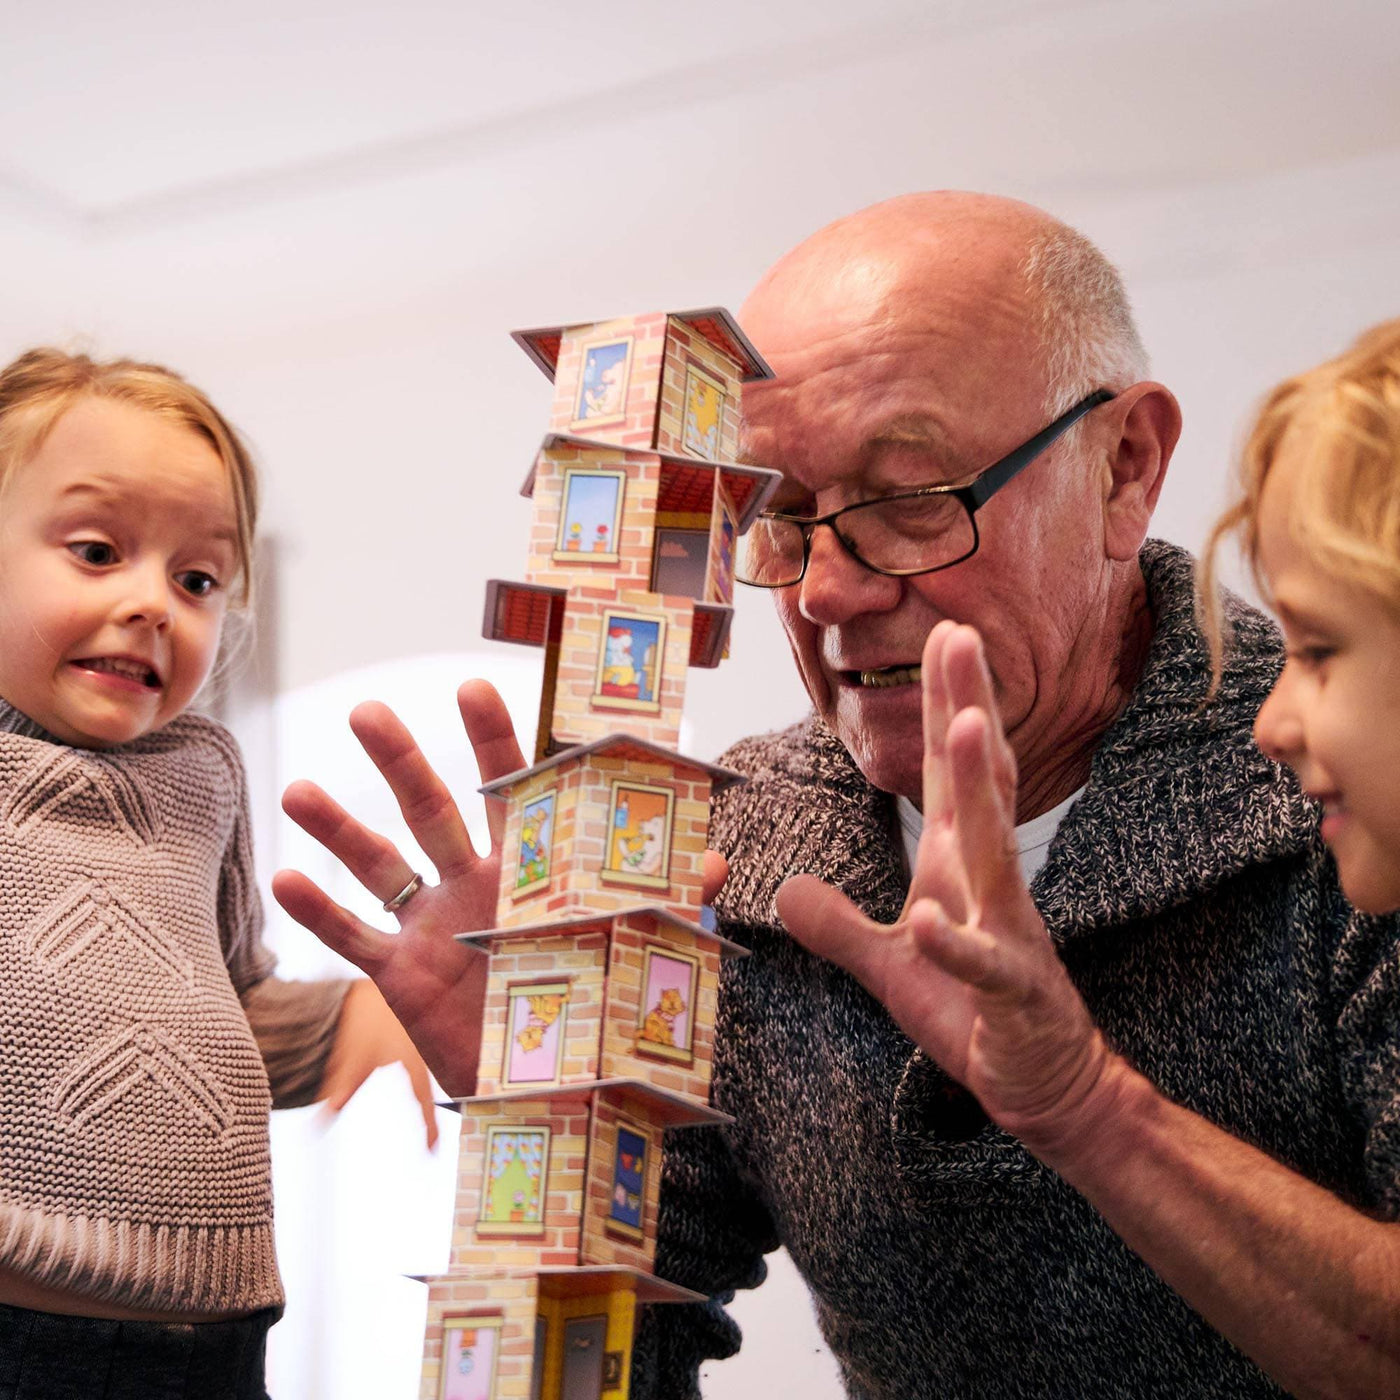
pixel 1197 912
pixel 140 1022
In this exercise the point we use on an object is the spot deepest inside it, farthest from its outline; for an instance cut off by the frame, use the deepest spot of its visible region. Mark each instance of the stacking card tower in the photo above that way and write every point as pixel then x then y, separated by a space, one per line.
pixel 598 1028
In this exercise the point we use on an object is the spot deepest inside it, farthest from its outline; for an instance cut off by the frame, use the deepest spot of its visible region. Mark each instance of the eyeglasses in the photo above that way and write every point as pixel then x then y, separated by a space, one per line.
pixel 911 532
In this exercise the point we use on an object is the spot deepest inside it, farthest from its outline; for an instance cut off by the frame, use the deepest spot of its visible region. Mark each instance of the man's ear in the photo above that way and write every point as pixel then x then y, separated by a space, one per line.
pixel 1148 423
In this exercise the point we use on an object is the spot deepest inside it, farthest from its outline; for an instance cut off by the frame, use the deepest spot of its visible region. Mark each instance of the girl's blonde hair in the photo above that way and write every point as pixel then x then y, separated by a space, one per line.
pixel 1343 418
pixel 38 388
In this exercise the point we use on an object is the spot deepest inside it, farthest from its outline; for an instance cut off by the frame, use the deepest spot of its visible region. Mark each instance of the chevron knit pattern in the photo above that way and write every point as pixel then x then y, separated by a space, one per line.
pixel 1199 915
pixel 134 1099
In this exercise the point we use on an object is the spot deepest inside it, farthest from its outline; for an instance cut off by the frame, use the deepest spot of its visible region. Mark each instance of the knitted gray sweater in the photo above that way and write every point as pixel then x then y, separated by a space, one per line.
pixel 1200 917
pixel 140 1023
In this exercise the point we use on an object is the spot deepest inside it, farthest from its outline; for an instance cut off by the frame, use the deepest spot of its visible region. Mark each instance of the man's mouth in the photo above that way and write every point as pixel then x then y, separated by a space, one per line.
pixel 884 677
pixel 132 670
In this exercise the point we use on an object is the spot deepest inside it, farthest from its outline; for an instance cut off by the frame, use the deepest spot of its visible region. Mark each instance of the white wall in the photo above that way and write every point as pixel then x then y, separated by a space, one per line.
pixel 1240 161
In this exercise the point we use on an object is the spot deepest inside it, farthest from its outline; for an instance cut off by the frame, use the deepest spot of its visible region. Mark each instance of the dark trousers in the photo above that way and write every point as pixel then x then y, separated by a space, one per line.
pixel 47 1356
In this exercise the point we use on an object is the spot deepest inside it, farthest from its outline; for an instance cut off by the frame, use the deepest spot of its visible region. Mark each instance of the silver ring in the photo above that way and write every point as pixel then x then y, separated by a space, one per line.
pixel 404 895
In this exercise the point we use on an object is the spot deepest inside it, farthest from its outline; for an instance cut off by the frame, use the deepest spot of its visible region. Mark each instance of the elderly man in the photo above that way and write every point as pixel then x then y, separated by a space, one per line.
pixel 1155 1151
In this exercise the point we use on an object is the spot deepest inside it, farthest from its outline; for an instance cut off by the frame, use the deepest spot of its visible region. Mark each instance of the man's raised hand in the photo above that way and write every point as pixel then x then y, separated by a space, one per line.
pixel 968 971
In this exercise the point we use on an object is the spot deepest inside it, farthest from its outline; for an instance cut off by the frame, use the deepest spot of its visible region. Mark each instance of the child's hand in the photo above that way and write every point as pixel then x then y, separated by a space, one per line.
pixel 435 985
pixel 367 1036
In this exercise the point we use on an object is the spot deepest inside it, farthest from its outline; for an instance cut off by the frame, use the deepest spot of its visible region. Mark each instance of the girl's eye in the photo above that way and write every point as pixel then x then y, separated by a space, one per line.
pixel 1311 658
pixel 197 583
pixel 95 552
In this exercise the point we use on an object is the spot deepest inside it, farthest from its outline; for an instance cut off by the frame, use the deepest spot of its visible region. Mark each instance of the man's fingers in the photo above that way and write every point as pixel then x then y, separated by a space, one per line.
pixel 716 872
pixel 826 923
pixel 372 859
pixel 939 871
pixel 494 743
pixel 963 951
pixel 967 683
pixel 334 925
pixel 936 714
pixel 985 823
pixel 423 798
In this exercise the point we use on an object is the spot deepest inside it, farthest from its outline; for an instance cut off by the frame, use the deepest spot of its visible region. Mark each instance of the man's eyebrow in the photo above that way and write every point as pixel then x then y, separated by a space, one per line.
pixel 912 428
pixel 916 430
pixel 907 430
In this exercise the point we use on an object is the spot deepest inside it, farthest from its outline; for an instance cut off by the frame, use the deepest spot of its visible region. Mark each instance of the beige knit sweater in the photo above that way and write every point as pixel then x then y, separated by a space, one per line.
pixel 139 1022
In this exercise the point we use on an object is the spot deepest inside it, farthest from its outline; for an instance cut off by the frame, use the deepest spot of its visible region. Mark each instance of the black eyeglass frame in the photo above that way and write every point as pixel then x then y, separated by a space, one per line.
pixel 972 496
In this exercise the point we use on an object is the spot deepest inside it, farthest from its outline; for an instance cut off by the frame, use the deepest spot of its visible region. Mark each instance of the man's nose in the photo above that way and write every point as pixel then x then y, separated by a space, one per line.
pixel 837 586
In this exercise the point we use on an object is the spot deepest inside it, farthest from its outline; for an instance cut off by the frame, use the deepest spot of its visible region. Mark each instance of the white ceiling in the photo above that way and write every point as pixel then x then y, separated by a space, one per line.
pixel 112 111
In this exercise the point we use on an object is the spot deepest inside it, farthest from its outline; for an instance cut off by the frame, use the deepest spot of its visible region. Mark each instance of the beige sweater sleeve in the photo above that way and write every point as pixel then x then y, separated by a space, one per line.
pixel 294 1023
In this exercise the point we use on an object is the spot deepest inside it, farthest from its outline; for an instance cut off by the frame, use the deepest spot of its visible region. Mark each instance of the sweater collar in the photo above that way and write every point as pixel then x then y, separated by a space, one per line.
pixel 1178 799
pixel 13 721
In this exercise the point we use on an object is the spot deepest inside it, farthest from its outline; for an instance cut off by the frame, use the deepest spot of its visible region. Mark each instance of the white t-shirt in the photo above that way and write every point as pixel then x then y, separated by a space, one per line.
pixel 1033 838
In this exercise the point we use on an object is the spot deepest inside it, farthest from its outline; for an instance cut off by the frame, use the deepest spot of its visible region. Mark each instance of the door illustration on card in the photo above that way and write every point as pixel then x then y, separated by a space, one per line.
pixel 583 1358
pixel 537 1370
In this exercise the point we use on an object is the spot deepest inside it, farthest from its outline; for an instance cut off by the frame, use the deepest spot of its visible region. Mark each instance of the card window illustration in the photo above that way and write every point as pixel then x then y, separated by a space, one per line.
pixel 590 517
pixel 630 653
pixel 628 1195
pixel 602 385
pixel 638 850
pixel 537 1016
pixel 536 843
pixel 723 534
pixel 680 561
pixel 470 1350
pixel 704 414
pixel 513 1192
pixel 666 1025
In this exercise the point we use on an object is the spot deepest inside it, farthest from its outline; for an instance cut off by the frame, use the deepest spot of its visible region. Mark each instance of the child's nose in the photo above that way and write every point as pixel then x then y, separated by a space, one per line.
pixel 1278 730
pixel 146 597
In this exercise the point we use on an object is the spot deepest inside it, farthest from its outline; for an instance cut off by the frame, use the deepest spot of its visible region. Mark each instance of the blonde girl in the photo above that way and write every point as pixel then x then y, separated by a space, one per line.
pixel 145 1037
pixel 1318 515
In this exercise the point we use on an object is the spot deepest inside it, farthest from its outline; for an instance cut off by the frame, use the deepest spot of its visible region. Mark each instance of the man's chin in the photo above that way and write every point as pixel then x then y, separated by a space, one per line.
pixel 884 737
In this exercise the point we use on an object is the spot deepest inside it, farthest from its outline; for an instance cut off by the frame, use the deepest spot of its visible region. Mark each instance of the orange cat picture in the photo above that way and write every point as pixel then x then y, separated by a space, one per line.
pixel 544 1012
pixel 660 1024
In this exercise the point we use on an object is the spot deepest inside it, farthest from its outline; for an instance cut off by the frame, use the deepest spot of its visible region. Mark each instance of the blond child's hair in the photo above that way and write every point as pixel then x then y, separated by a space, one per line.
pixel 39 387
pixel 1343 417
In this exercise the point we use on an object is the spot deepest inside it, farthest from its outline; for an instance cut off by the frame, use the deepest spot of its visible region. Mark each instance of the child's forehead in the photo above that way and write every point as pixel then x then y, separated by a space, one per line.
pixel 180 479
pixel 103 426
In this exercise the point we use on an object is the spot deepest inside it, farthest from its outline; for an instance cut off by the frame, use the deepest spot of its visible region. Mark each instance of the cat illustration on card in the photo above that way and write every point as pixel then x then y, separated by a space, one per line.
pixel 660 1025
pixel 544 1012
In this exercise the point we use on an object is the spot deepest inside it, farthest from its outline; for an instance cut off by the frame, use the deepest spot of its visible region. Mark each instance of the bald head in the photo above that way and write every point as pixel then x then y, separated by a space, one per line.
pixel 1002 266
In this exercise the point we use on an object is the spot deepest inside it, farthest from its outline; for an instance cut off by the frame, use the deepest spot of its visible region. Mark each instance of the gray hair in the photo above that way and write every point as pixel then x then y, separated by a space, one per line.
pixel 1088 339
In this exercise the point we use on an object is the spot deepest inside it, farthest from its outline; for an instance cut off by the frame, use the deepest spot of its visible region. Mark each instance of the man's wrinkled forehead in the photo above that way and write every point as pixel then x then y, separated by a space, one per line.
pixel 882 369
pixel 818 292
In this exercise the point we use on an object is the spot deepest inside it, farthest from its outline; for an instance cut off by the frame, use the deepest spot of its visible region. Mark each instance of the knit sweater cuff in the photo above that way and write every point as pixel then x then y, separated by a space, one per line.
pixel 199 1269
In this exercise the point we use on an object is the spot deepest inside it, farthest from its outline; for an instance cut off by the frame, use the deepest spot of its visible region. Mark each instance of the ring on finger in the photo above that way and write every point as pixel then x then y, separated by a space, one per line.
pixel 404 895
